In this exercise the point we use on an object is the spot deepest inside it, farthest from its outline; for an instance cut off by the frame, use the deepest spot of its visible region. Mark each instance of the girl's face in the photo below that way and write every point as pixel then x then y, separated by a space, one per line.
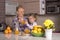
pixel 31 19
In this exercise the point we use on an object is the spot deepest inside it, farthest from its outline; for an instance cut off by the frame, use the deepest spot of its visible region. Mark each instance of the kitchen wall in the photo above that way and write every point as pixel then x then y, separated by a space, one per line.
pixel 54 18
pixel 2 10
pixel 40 19
pixel 33 7
pixel 9 19
pixel 10 12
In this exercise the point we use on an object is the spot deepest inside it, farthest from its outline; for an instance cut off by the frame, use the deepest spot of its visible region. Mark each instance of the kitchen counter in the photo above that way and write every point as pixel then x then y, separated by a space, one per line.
pixel 56 36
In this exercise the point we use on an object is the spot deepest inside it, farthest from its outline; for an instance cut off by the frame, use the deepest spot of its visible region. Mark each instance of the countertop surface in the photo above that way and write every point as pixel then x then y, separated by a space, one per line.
pixel 56 36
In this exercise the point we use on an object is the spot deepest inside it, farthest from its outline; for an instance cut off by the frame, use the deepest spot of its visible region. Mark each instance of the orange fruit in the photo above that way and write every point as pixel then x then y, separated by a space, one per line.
pixel 6 31
pixel 23 22
pixel 27 31
pixel 8 28
pixel 9 31
pixel 16 32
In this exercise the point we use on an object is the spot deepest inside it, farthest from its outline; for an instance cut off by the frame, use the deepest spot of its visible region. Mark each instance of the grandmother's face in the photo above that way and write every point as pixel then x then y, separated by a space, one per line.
pixel 20 11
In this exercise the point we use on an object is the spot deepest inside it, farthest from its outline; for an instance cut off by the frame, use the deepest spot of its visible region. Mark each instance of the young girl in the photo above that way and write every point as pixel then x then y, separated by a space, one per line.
pixel 31 21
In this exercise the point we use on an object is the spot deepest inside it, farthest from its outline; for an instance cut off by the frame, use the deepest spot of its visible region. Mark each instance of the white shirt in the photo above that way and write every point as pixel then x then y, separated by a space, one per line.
pixel 30 26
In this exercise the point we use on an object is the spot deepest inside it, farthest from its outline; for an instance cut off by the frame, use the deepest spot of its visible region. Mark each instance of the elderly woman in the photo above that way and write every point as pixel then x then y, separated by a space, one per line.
pixel 20 21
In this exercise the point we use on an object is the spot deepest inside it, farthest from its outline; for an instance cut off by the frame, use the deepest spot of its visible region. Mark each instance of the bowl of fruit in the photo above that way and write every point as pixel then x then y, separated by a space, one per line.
pixel 38 31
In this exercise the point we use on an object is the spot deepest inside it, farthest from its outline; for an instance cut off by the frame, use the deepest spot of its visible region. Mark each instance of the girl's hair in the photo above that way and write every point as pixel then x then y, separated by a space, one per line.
pixel 32 14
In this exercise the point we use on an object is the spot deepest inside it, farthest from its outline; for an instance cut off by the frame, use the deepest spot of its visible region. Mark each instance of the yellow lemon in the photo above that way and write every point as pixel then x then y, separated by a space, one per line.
pixel 35 31
pixel 6 31
pixel 35 28
pixel 39 29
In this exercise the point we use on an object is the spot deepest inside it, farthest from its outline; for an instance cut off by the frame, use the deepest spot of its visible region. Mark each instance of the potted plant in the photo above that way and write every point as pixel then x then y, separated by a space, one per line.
pixel 49 26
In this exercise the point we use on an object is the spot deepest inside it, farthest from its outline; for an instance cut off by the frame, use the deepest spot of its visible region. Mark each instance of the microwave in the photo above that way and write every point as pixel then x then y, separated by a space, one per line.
pixel 52 9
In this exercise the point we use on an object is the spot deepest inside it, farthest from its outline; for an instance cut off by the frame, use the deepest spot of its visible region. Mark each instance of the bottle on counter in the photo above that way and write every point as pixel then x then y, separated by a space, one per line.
pixel 17 28
pixel 17 31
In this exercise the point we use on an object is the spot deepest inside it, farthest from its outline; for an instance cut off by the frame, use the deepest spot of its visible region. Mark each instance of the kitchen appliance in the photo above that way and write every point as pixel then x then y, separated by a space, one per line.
pixel 52 9
pixel 2 27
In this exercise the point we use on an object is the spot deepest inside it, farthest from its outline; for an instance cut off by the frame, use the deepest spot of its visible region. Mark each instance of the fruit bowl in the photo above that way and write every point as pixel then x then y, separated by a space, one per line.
pixel 38 31
pixel 37 34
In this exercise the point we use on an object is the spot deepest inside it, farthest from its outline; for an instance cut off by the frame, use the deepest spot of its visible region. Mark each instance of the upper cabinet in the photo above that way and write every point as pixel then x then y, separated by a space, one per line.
pixel 33 6
pixel 52 6
pixel 10 7
pixel 28 0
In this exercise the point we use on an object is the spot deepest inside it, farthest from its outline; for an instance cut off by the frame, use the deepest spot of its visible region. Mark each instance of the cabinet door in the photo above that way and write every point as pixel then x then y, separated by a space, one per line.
pixel 34 6
pixel 28 1
pixel 10 9
pixel 31 7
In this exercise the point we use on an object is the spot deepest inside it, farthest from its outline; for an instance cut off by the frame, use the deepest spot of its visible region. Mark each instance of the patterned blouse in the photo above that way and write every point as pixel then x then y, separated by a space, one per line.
pixel 18 25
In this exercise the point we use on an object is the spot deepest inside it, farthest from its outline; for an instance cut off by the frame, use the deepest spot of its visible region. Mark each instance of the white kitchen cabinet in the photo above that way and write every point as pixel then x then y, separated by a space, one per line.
pixel 33 6
pixel 10 7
